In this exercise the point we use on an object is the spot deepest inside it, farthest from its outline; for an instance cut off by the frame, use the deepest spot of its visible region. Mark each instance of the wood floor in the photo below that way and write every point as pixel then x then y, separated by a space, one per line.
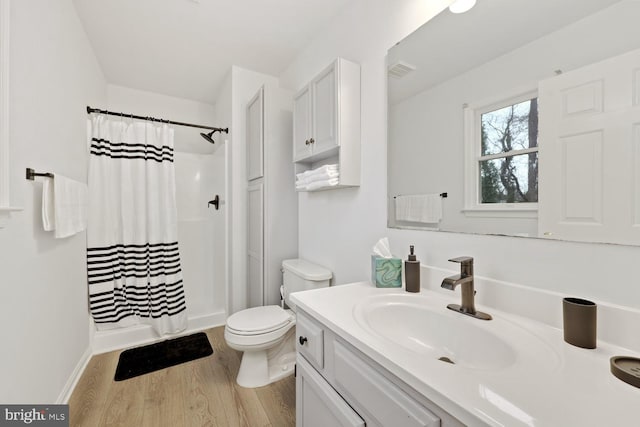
pixel 198 393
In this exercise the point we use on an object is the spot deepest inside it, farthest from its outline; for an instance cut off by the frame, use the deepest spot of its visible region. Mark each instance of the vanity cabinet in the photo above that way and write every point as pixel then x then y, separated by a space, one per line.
pixel 317 403
pixel 347 376
pixel 326 122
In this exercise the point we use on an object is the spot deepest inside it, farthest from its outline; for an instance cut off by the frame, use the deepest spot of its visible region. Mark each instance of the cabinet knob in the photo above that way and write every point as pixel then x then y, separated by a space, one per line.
pixel 306 142
pixel 302 340
pixel 311 141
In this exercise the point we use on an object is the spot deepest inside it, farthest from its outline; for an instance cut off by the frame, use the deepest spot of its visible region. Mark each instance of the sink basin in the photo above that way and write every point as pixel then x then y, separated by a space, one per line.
pixel 424 326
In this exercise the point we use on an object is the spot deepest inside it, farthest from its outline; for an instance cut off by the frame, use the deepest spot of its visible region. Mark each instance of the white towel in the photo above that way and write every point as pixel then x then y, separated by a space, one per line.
pixel 321 184
pixel 323 173
pixel 320 171
pixel 318 177
pixel 426 208
pixel 64 206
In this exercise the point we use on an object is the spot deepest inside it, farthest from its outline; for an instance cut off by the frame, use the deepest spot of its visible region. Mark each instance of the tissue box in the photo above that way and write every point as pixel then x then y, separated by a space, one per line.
pixel 386 272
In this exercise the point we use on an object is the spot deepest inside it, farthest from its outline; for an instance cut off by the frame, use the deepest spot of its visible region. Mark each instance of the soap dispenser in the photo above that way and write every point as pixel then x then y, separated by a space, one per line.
pixel 412 272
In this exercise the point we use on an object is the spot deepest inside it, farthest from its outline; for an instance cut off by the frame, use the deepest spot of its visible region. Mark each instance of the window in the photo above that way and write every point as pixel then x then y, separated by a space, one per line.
pixel 502 157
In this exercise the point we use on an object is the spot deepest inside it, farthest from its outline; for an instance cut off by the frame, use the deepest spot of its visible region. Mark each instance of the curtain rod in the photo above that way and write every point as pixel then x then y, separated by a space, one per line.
pixel 153 119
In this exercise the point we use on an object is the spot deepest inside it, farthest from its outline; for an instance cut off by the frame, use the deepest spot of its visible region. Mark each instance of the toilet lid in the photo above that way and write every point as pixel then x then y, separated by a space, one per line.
pixel 258 320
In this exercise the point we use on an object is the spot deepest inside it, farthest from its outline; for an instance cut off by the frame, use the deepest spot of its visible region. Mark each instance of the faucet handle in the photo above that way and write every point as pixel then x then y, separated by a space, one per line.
pixel 464 260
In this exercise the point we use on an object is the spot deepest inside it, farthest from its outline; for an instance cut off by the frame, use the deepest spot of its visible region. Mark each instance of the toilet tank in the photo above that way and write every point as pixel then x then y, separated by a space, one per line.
pixel 300 275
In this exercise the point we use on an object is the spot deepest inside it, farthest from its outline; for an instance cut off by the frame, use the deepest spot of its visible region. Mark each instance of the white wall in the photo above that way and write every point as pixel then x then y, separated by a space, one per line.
pixel 337 228
pixel 43 308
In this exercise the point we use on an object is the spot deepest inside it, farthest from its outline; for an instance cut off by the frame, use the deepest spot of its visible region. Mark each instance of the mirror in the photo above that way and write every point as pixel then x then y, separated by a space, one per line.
pixel 462 121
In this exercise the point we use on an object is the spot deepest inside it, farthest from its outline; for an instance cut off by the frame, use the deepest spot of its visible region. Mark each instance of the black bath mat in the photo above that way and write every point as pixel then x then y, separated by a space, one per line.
pixel 142 360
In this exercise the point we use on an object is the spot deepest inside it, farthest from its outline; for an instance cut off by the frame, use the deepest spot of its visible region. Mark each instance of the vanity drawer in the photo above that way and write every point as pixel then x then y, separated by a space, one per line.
pixel 379 401
pixel 309 340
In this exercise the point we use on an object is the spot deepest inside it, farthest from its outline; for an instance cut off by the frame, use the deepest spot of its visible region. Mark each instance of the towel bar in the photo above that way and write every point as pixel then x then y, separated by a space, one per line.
pixel 31 174
pixel 443 195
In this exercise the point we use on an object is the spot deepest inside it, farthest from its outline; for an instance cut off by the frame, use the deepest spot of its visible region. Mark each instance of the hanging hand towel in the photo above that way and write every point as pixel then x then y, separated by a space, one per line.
pixel 64 206
pixel 426 208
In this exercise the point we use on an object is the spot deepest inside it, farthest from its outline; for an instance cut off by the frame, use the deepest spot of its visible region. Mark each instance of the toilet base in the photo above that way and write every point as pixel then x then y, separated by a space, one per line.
pixel 263 367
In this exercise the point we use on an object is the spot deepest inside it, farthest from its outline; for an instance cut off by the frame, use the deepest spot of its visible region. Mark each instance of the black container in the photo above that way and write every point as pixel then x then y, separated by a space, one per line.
pixel 580 322
pixel 412 272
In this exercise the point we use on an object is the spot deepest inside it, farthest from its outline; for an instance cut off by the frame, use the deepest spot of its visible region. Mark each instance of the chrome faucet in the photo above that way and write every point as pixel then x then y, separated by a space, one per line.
pixel 465 280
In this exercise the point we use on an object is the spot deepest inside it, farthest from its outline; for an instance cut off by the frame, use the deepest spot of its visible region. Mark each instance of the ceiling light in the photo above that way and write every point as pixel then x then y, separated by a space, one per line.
pixel 461 6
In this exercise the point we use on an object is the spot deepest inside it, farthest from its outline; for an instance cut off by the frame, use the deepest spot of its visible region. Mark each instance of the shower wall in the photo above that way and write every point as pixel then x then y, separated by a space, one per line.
pixel 200 175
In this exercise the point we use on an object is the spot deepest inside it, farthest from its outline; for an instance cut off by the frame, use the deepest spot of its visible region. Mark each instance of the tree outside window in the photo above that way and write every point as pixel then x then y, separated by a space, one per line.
pixel 508 162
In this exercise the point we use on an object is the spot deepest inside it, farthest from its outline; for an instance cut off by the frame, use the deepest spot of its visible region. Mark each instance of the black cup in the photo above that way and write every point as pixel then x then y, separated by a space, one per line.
pixel 580 322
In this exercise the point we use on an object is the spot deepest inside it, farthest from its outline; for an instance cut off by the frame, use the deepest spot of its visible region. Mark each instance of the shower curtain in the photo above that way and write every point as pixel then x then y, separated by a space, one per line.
pixel 133 262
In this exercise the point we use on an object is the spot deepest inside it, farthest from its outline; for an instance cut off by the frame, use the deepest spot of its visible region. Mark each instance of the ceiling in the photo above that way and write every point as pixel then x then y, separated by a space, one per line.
pixel 458 43
pixel 185 48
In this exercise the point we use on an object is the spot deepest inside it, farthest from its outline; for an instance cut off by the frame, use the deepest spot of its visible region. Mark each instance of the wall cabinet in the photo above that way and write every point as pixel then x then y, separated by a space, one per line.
pixel 326 122
pixel 272 217
pixel 348 377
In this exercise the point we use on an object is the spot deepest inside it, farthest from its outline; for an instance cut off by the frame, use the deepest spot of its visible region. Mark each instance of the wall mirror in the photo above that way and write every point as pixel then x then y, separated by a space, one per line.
pixel 526 114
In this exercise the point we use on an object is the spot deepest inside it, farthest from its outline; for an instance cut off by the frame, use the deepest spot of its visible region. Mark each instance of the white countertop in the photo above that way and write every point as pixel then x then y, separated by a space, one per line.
pixel 571 387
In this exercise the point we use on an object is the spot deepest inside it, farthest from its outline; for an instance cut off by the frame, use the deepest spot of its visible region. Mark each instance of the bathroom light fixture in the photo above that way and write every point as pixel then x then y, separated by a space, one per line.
pixel 461 6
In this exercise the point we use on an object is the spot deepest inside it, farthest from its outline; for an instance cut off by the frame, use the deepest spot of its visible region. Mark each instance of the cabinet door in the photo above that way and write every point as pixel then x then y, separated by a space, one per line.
pixel 380 401
pixel 255 245
pixel 302 124
pixel 324 110
pixel 317 403
pixel 255 136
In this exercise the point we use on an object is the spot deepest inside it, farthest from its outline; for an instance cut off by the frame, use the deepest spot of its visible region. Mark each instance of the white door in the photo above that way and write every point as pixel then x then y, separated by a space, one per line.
pixel 589 171
pixel 255 245
pixel 324 110
pixel 255 136
pixel 302 124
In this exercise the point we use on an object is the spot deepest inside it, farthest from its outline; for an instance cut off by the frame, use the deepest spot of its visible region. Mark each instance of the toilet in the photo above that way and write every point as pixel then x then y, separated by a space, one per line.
pixel 266 335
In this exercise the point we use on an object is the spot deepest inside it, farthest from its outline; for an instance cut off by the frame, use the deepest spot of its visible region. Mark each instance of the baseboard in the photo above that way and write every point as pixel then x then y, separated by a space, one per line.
pixel 68 388
pixel 118 339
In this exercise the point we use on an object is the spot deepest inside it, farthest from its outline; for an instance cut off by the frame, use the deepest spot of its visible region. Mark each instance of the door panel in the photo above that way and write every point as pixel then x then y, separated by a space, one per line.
pixel 302 124
pixel 324 110
pixel 255 245
pixel 255 136
pixel 589 152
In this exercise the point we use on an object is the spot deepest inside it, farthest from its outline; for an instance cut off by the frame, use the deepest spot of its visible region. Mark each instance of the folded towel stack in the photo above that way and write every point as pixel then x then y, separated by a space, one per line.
pixel 324 176
pixel 64 206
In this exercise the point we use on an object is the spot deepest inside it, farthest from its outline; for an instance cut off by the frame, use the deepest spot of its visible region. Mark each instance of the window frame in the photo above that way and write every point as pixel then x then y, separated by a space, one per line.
pixel 473 148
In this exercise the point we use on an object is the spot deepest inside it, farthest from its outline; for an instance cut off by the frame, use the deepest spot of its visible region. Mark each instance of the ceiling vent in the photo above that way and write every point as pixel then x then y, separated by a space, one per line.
pixel 400 69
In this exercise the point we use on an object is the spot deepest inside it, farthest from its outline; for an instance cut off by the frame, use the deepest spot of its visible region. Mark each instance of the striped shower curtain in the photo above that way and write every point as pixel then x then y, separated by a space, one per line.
pixel 133 263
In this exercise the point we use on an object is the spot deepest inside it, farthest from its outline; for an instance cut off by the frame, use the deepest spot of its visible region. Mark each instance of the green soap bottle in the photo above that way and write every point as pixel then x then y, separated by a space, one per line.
pixel 412 272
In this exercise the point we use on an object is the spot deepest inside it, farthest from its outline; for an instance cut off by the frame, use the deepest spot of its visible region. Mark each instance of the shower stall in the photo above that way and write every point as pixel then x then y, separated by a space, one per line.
pixel 200 162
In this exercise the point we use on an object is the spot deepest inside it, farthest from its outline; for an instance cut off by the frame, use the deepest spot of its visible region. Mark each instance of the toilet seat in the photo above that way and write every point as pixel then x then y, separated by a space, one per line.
pixel 259 320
